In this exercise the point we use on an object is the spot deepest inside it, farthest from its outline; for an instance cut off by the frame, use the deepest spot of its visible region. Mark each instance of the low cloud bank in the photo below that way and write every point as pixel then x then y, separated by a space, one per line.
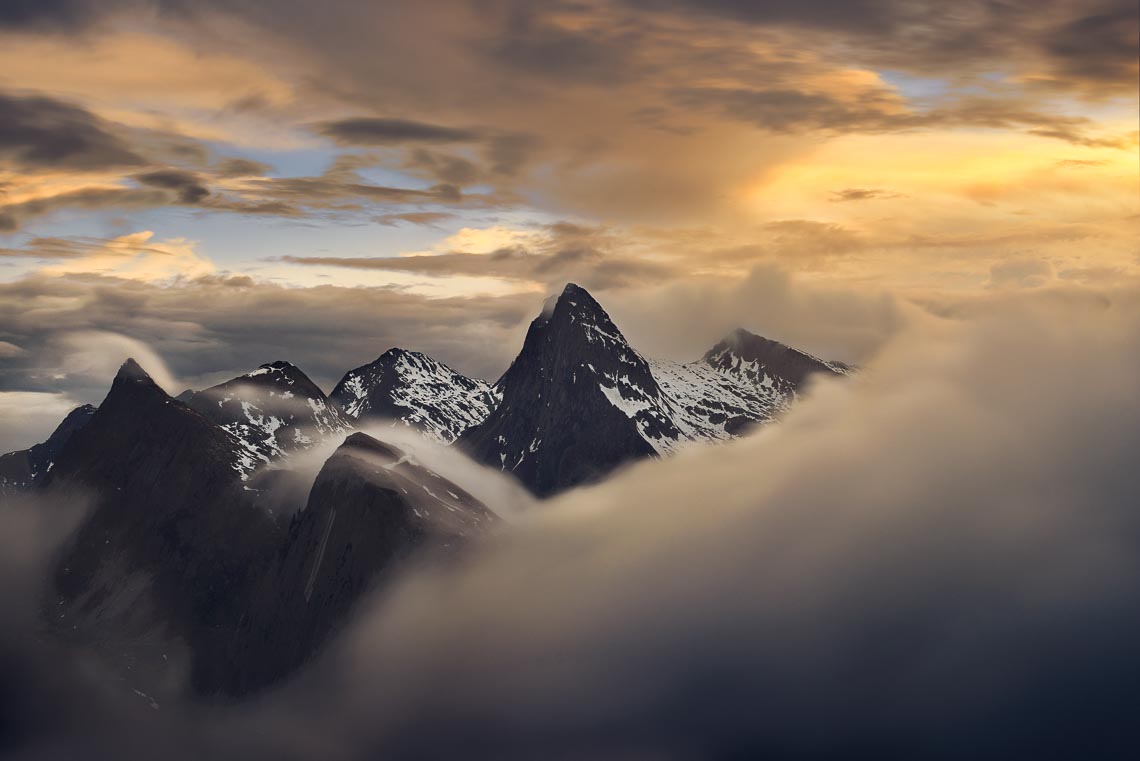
pixel 940 559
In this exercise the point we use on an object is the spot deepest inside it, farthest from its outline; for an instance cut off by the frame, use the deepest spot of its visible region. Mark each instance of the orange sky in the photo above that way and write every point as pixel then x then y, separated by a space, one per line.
pixel 455 160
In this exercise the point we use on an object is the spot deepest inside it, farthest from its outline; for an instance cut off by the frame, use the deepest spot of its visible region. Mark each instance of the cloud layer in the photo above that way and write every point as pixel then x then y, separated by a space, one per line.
pixel 937 560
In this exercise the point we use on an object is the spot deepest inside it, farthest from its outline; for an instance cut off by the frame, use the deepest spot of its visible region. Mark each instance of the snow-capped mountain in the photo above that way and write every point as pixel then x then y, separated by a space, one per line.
pixel 764 363
pixel 274 410
pixel 25 467
pixel 176 571
pixel 744 380
pixel 412 389
pixel 577 401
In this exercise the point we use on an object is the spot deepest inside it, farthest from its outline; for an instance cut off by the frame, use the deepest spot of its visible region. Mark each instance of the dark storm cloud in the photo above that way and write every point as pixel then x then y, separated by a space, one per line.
pixel 71 247
pixel 334 194
pixel 530 47
pixel 341 192
pixel 47 13
pixel 188 186
pixel 44 133
pixel 563 252
pixel 444 167
pixel 425 218
pixel 375 131
pixel 878 16
pixel 507 153
pixel 214 328
pixel 238 167
pixel 789 111
pixel 1093 45
pixel 90 199
pixel 1098 47
pixel 504 154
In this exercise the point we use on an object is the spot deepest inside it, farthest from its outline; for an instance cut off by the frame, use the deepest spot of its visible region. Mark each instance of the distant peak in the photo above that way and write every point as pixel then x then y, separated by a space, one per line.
pixel 364 442
pixel 131 371
pixel 275 371
pixel 396 352
pixel 132 382
pixel 575 293
pixel 573 300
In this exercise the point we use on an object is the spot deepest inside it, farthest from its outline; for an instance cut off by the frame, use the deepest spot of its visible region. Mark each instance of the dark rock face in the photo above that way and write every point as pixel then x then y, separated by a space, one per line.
pixel 743 381
pixel 763 362
pixel 172 544
pixel 27 467
pixel 409 388
pixel 370 511
pixel 275 410
pixel 578 401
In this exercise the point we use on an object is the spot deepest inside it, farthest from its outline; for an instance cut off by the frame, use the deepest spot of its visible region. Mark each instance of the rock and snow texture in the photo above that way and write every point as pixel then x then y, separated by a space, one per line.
pixel 579 401
pixel 742 381
pixel 412 389
pixel 27 467
pixel 760 361
pixel 274 410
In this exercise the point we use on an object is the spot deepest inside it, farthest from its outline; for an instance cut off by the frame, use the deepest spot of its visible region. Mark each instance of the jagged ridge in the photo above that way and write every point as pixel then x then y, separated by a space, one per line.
pixel 412 389
pixel 275 410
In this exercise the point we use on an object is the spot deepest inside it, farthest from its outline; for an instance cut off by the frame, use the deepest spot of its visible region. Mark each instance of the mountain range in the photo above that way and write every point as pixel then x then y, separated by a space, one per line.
pixel 209 561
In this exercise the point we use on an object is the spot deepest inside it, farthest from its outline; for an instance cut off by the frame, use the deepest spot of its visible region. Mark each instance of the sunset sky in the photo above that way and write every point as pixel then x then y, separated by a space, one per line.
pixel 230 182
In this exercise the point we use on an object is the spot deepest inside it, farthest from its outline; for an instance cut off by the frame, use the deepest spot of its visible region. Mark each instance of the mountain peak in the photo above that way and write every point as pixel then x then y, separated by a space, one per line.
pixel 576 298
pixel 573 289
pixel 396 353
pixel 410 388
pixel 762 361
pixel 364 442
pixel 745 340
pixel 578 401
pixel 130 370
pixel 279 364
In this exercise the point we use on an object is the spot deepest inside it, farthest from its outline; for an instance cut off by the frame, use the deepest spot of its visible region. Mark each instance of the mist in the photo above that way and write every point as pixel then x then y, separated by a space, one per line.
pixel 939 559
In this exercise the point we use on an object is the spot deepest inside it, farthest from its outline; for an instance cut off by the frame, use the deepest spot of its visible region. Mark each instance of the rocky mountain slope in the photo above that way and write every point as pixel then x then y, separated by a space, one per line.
pixel 158 570
pixel 274 411
pixel 579 401
pixel 371 510
pixel 412 389
pixel 26 467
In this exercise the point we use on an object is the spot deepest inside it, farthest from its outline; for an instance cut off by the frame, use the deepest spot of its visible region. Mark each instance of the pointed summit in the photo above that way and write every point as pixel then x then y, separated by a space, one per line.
pixel 27 467
pixel 131 370
pixel 576 307
pixel 274 410
pixel 171 537
pixel 408 388
pixel 577 401
pixel 764 362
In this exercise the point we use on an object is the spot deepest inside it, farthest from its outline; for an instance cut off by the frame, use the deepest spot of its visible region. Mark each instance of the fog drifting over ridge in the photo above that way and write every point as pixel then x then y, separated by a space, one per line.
pixel 938 560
